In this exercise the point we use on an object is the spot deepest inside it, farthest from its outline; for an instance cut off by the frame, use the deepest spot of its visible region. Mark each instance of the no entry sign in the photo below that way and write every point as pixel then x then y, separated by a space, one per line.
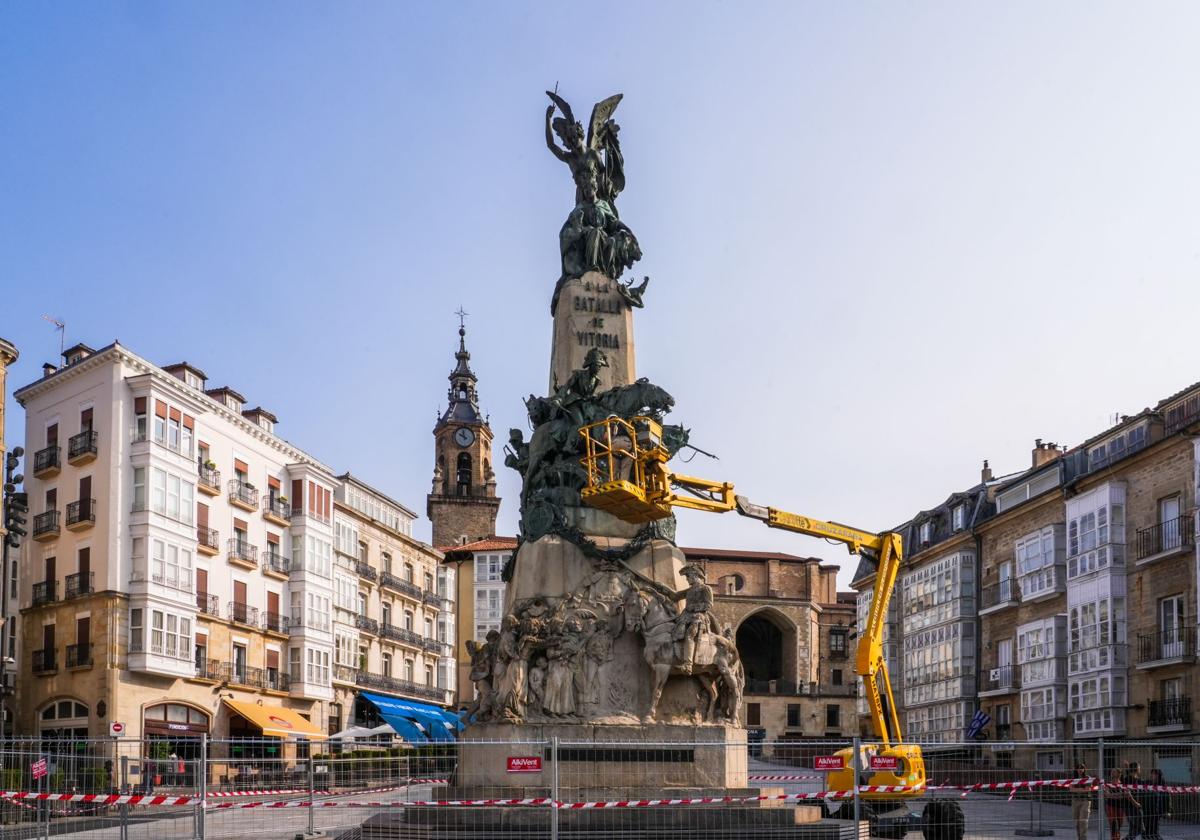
pixel 885 762
pixel 829 762
pixel 524 764
pixel 38 768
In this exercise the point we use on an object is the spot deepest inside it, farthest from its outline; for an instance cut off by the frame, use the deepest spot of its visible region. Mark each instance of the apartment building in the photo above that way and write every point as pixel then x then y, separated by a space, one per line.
pixel 478 568
pixel 393 609
pixel 180 576
pixel 793 633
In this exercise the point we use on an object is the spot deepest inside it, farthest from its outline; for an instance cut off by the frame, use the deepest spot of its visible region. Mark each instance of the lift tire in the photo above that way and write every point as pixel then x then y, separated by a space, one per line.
pixel 943 819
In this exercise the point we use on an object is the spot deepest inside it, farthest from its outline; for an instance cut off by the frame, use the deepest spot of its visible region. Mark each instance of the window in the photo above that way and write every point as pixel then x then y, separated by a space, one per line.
pixel 429 675
pixel 428 582
pixel 958 517
pixel 317 556
pixel 408 572
pixel 171 565
pixel 294 665
pixel 386 558
pixel 173 429
pixel 386 614
pixel 754 714
pixel 135 630
pixel 408 619
pixel 463 475
pixel 833 716
pixel 362 603
pixel 428 628
pixel 345 537
pixel 793 716
pixel 139 419
pixel 344 650
pixel 1037 558
pixel 1095 627
pixel 239 663
pixel 335 718
pixel 488 567
pixel 170 634
pixel 139 488
pixel 409 668
pixel 171 496
pixel 1095 530
pixel 837 676
pixel 837 643
pixel 926 532
pixel 317 666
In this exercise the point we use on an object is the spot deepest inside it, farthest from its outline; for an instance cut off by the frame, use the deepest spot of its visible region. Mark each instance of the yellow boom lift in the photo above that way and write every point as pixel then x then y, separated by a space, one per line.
pixel 627 476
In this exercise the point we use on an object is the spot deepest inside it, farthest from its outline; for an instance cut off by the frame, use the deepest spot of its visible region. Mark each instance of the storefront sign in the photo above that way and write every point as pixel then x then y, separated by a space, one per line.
pixel 885 762
pixel 524 764
pixel 829 762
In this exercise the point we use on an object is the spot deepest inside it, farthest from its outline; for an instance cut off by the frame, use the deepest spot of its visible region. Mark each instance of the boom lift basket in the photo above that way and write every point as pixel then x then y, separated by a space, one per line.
pixel 626 473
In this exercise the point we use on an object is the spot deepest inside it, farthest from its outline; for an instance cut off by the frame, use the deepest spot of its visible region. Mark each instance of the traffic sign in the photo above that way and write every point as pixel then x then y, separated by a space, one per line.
pixel 116 729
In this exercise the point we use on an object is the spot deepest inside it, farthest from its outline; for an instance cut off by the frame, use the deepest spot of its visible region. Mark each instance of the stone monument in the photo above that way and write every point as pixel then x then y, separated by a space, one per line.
pixel 607 630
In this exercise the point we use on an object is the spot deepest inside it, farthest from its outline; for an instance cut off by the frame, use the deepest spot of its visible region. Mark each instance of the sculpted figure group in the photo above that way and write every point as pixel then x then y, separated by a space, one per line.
pixel 556 661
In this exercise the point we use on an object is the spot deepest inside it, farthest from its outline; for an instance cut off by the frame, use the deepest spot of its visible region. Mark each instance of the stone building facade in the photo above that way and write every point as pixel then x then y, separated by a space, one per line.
pixel 8 617
pixel 477 567
pixel 180 572
pixel 793 632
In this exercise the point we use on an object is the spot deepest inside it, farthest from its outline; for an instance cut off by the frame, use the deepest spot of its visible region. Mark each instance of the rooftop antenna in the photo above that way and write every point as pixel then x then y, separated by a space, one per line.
pixel 62 331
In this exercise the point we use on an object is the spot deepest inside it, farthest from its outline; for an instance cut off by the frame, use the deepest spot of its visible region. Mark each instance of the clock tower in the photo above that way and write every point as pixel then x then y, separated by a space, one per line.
pixel 462 505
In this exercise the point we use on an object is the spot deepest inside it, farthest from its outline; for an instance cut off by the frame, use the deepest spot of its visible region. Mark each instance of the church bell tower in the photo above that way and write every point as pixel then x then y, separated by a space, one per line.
pixel 462 505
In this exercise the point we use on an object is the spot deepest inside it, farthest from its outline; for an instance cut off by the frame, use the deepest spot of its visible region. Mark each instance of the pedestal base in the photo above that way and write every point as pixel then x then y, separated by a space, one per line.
pixel 592 313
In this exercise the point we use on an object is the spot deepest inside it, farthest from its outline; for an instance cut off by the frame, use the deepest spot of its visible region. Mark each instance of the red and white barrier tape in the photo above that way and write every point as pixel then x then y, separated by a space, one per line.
pixel 356 792
pixel 304 803
pixel 100 798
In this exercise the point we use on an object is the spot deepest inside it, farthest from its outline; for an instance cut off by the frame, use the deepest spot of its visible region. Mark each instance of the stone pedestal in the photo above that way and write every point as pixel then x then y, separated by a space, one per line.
pixel 592 313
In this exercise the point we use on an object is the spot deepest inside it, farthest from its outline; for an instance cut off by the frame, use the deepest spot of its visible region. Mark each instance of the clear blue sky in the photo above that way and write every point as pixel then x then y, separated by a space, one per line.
pixel 886 241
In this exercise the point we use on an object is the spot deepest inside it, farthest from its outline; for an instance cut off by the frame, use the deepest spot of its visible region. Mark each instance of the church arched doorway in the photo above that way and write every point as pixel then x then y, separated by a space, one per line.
pixel 766 644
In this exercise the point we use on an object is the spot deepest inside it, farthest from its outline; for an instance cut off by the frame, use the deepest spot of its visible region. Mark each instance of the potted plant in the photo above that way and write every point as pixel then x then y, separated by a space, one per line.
pixel 210 464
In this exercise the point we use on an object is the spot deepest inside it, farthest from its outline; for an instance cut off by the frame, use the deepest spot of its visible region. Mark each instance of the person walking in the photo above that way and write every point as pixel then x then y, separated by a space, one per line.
pixel 1081 801
pixel 1133 777
pixel 1117 802
pixel 1157 806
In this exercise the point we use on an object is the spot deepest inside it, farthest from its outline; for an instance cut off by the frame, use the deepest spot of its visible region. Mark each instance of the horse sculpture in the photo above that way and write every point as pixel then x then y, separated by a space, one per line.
pixel 717 665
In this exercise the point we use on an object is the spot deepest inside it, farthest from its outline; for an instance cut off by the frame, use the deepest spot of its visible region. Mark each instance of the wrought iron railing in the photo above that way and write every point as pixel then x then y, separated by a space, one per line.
pixel 368 624
pixel 80 583
pixel 1171 535
pixel 84 443
pixel 242 550
pixel 275 622
pixel 1001 592
pixel 1004 678
pixel 241 613
pixel 430 645
pixel 210 478
pixel 209 538
pixel 365 570
pixel 43 661
pixel 240 491
pixel 403 586
pixel 1174 712
pixel 46 459
pixel 391 631
pixel 273 506
pixel 208 604
pixel 45 592
pixel 81 511
pixel 1172 643
pixel 273 561
pixel 46 523
pixel 431 598
pixel 403 686
pixel 79 655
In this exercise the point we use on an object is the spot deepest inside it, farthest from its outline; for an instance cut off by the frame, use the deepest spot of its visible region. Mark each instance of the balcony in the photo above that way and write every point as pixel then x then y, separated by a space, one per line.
pixel 1165 539
pixel 208 604
pixel 46 526
pixel 211 669
pixel 1003 680
pixel 399 634
pixel 402 586
pixel 209 481
pixel 79 656
pixel 243 495
pixel 80 583
pixel 242 553
pixel 81 514
pixel 208 541
pixel 366 571
pixel 431 645
pixel 402 686
pixel 1164 715
pixel 45 592
pixel 242 613
pixel 997 596
pixel 82 448
pixel 277 510
pixel 1174 646
pixel 345 673
pixel 274 622
pixel 274 563
pixel 430 598
pixel 44 662
pixel 368 624
pixel 47 462
pixel 1088 655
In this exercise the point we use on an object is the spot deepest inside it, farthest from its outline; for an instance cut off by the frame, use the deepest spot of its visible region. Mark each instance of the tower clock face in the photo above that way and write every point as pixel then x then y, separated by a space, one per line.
pixel 464 436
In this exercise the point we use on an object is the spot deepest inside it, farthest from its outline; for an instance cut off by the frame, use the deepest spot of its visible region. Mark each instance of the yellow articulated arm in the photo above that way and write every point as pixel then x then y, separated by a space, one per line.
pixel 870 663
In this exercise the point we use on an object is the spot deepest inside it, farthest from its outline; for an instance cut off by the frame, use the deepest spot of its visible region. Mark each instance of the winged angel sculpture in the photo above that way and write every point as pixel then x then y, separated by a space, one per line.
pixel 593 238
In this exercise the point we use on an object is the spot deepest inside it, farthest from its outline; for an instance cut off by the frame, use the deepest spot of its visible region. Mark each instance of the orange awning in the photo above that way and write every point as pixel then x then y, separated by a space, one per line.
pixel 277 721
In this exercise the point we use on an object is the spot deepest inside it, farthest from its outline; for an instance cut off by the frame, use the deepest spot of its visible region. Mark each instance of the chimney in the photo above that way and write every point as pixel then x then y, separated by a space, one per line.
pixel 48 369
pixel 1044 453
pixel 985 475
